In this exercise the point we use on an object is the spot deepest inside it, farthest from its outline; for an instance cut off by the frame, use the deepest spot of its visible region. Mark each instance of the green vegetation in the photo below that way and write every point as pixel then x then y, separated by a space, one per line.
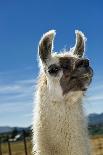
pixel 95 129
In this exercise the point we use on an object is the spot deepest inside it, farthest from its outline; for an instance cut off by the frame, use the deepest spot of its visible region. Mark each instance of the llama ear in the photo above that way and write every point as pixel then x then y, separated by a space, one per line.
pixel 46 45
pixel 79 47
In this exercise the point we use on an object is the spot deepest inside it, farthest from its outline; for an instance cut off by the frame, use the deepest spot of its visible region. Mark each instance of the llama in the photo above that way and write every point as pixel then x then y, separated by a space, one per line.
pixel 59 124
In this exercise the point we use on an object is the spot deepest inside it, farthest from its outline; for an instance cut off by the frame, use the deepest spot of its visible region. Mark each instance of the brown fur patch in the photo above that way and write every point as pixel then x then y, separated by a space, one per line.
pixel 67 64
pixel 73 78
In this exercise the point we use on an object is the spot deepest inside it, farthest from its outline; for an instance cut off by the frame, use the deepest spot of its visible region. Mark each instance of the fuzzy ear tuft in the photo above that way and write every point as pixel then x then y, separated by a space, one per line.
pixel 79 47
pixel 46 45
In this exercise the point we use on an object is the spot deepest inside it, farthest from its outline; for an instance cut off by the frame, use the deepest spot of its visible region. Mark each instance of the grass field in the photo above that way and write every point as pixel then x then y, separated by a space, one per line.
pixel 18 147
pixel 97 145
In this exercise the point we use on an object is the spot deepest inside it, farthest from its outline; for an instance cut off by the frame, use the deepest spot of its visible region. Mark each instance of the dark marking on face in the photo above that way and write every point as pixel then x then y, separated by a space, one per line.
pixel 66 64
pixel 77 74
pixel 82 63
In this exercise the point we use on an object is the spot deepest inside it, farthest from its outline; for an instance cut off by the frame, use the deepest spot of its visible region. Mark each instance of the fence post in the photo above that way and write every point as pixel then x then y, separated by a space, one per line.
pixel 0 147
pixel 25 145
pixel 9 146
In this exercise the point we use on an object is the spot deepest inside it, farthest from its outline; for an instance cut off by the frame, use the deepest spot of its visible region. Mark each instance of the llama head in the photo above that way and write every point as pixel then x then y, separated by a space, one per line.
pixel 69 71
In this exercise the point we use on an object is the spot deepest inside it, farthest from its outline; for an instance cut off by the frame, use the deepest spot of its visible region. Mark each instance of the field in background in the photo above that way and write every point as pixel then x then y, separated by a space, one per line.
pixel 97 145
pixel 18 147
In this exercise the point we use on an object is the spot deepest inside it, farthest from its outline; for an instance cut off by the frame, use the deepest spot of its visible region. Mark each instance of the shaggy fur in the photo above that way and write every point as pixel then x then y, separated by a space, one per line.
pixel 59 125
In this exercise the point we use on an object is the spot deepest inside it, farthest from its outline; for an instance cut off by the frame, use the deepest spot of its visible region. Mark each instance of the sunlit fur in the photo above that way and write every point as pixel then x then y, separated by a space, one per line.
pixel 59 125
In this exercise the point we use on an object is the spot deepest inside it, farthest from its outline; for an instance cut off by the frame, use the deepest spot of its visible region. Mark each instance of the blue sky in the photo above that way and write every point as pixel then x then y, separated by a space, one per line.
pixel 22 23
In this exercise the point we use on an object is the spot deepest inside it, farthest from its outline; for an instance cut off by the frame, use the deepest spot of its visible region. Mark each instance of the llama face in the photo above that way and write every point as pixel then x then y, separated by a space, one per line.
pixel 78 76
pixel 67 71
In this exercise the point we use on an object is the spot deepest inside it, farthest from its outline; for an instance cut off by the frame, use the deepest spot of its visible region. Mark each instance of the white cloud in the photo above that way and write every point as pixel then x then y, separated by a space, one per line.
pixel 95 97
pixel 4 89
pixel 16 96
pixel 28 81
pixel 16 87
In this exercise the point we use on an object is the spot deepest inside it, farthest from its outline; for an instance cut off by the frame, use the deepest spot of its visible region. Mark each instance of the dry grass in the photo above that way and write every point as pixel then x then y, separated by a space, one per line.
pixel 18 147
pixel 97 145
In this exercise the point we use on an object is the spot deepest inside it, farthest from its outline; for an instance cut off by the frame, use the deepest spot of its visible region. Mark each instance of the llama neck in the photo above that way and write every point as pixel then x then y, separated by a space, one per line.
pixel 78 130
pixel 72 123
pixel 64 119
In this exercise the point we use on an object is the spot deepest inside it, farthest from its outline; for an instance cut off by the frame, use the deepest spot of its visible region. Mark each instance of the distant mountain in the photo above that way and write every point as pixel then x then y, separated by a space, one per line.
pixel 95 119
pixel 5 129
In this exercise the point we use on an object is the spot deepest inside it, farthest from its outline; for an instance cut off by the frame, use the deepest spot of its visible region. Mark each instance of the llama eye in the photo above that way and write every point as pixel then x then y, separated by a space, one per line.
pixel 53 69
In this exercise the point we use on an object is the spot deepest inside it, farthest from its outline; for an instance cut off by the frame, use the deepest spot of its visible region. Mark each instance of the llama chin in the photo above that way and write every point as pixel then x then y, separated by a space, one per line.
pixel 59 124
